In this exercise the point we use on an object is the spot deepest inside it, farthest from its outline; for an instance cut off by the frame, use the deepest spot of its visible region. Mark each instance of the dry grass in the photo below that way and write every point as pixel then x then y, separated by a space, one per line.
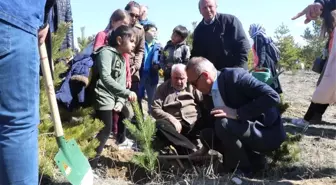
pixel 317 165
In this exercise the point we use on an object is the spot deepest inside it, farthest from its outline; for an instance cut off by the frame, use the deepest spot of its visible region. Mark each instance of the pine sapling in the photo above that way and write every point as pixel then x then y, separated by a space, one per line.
pixel 144 133
pixel 83 130
pixel 288 152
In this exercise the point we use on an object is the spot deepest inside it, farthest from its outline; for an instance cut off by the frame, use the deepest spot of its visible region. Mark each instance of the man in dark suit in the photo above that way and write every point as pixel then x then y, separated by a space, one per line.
pixel 247 123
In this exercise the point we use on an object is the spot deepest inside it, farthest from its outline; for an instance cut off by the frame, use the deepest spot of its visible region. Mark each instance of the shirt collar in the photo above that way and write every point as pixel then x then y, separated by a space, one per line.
pixel 150 43
pixel 215 84
pixel 212 21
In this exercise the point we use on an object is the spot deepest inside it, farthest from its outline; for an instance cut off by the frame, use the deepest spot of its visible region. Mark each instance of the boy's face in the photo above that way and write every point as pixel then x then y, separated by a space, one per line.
pixel 151 34
pixel 127 44
pixel 175 38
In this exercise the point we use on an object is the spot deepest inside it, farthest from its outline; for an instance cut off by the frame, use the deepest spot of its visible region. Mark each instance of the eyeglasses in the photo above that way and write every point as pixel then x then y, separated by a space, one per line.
pixel 194 83
pixel 134 15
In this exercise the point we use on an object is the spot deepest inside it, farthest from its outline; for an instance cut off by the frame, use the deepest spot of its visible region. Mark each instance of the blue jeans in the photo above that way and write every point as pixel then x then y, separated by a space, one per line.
pixel 146 85
pixel 19 106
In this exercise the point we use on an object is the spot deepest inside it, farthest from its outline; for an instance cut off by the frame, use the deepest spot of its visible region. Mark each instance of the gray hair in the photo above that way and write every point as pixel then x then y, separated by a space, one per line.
pixel 143 11
pixel 178 67
pixel 200 1
pixel 200 65
pixel 144 7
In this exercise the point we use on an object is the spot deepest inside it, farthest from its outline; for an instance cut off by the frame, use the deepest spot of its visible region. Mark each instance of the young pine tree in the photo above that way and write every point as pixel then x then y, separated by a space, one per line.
pixel 83 130
pixel 144 133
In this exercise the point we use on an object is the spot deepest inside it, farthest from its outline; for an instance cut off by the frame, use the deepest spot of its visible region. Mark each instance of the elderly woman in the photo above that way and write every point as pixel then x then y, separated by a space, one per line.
pixel 265 53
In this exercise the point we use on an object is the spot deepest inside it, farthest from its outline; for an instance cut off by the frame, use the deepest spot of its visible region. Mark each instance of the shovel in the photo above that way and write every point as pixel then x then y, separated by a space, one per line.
pixel 69 159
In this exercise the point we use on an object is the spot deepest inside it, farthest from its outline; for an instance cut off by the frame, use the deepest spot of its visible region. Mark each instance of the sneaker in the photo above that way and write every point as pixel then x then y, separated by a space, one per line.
pixel 127 144
pixel 301 123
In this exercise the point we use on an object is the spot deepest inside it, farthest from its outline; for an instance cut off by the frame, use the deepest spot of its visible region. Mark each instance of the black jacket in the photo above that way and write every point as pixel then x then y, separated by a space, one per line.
pixel 224 42
pixel 329 4
pixel 255 101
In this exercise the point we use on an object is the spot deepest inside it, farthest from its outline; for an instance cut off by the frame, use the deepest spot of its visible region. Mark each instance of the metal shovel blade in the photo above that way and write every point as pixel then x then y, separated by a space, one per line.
pixel 72 162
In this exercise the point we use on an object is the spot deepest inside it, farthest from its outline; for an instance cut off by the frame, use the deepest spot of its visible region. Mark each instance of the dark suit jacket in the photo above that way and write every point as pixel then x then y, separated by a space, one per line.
pixel 253 99
pixel 255 102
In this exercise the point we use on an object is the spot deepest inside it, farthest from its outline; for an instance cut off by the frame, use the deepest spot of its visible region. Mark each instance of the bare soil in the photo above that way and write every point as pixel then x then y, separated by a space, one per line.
pixel 317 164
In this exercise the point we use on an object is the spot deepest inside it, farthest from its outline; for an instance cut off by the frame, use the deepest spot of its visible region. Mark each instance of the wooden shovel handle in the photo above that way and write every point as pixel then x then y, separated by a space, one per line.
pixel 50 90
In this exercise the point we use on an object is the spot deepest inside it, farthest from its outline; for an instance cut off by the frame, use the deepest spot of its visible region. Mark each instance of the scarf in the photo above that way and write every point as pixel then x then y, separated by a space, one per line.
pixel 258 30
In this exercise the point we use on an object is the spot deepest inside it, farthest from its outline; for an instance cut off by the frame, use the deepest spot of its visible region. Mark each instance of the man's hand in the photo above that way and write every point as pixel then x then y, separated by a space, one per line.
pixel 42 34
pixel 176 124
pixel 118 106
pixel 312 12
pixel 132 97
pixel 128 84
pixel 224 112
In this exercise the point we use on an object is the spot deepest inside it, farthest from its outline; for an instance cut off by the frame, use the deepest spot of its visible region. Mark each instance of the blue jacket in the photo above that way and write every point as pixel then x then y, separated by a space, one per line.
pixel 75 82
pixel 151 57
pixel 25 14
pixel 254 101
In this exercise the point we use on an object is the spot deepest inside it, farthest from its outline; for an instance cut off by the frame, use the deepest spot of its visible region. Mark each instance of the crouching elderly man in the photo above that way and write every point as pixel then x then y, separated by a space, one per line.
pixel 247 123
pixel 177 113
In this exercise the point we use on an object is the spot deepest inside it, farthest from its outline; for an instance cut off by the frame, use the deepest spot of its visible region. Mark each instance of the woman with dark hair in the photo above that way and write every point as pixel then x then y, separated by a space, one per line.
pixel 325 93
pixel 118 18
pixel 136 58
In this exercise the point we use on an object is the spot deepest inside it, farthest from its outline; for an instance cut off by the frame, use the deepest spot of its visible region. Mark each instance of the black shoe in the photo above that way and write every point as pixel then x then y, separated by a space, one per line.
pixel 316 119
